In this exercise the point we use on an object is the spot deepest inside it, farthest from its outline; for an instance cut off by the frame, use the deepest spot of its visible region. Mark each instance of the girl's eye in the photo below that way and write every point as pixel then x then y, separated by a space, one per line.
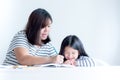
pixel 67 53
pixel 73 52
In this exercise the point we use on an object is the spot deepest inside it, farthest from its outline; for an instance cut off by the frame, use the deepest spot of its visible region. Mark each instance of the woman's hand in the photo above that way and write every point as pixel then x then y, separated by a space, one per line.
pixel 58 59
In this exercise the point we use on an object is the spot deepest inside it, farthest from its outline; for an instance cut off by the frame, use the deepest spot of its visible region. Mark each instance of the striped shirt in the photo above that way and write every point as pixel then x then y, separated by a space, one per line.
pixel 85 61
pixel 20 40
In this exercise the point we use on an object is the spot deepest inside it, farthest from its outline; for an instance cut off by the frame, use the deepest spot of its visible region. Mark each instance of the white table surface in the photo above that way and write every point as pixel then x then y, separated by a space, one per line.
pixel 46 73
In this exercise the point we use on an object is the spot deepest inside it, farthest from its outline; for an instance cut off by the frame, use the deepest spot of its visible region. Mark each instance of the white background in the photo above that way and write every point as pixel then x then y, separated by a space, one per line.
pixel 95 22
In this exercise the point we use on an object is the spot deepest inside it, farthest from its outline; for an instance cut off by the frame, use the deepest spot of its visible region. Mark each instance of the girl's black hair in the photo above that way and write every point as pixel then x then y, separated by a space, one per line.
pixel 74 42
pixel 38 19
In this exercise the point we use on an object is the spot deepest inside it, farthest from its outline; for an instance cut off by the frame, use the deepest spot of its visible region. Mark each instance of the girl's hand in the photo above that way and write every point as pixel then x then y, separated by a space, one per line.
pixel 70 62
pixel 67 62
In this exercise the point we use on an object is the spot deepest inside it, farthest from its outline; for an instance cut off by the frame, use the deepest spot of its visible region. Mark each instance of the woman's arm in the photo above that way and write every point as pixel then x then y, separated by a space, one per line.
pixel 24 58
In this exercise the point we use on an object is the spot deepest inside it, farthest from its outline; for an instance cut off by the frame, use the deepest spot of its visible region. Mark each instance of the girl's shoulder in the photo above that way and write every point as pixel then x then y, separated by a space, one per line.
pixel 86 61
pixel 84 57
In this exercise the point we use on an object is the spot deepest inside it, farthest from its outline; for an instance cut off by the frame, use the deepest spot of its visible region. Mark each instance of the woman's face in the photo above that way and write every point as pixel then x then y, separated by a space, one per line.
pixel 45 31
pixel 71 53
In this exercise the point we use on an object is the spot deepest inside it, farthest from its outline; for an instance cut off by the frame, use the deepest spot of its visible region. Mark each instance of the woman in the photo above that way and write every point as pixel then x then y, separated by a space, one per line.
pixel 32 46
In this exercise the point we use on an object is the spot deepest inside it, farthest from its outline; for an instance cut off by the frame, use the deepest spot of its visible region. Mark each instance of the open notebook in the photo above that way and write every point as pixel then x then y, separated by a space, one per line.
pixel 54 65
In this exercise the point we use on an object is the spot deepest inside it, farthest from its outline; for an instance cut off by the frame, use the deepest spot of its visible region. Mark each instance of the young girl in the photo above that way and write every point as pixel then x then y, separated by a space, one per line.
pixel 73 51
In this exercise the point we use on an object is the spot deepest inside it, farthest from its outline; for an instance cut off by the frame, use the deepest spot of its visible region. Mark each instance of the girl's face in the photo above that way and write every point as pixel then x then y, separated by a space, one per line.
pixel 45 31
pixel 71 53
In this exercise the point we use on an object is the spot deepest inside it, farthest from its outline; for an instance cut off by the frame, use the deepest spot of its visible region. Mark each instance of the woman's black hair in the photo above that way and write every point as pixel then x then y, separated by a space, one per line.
pixel 38 19
pixel 74 42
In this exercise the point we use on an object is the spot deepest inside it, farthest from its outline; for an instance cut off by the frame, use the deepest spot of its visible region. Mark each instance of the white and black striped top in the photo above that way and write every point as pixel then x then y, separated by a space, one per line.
pixel 20 40
pixel 85 61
